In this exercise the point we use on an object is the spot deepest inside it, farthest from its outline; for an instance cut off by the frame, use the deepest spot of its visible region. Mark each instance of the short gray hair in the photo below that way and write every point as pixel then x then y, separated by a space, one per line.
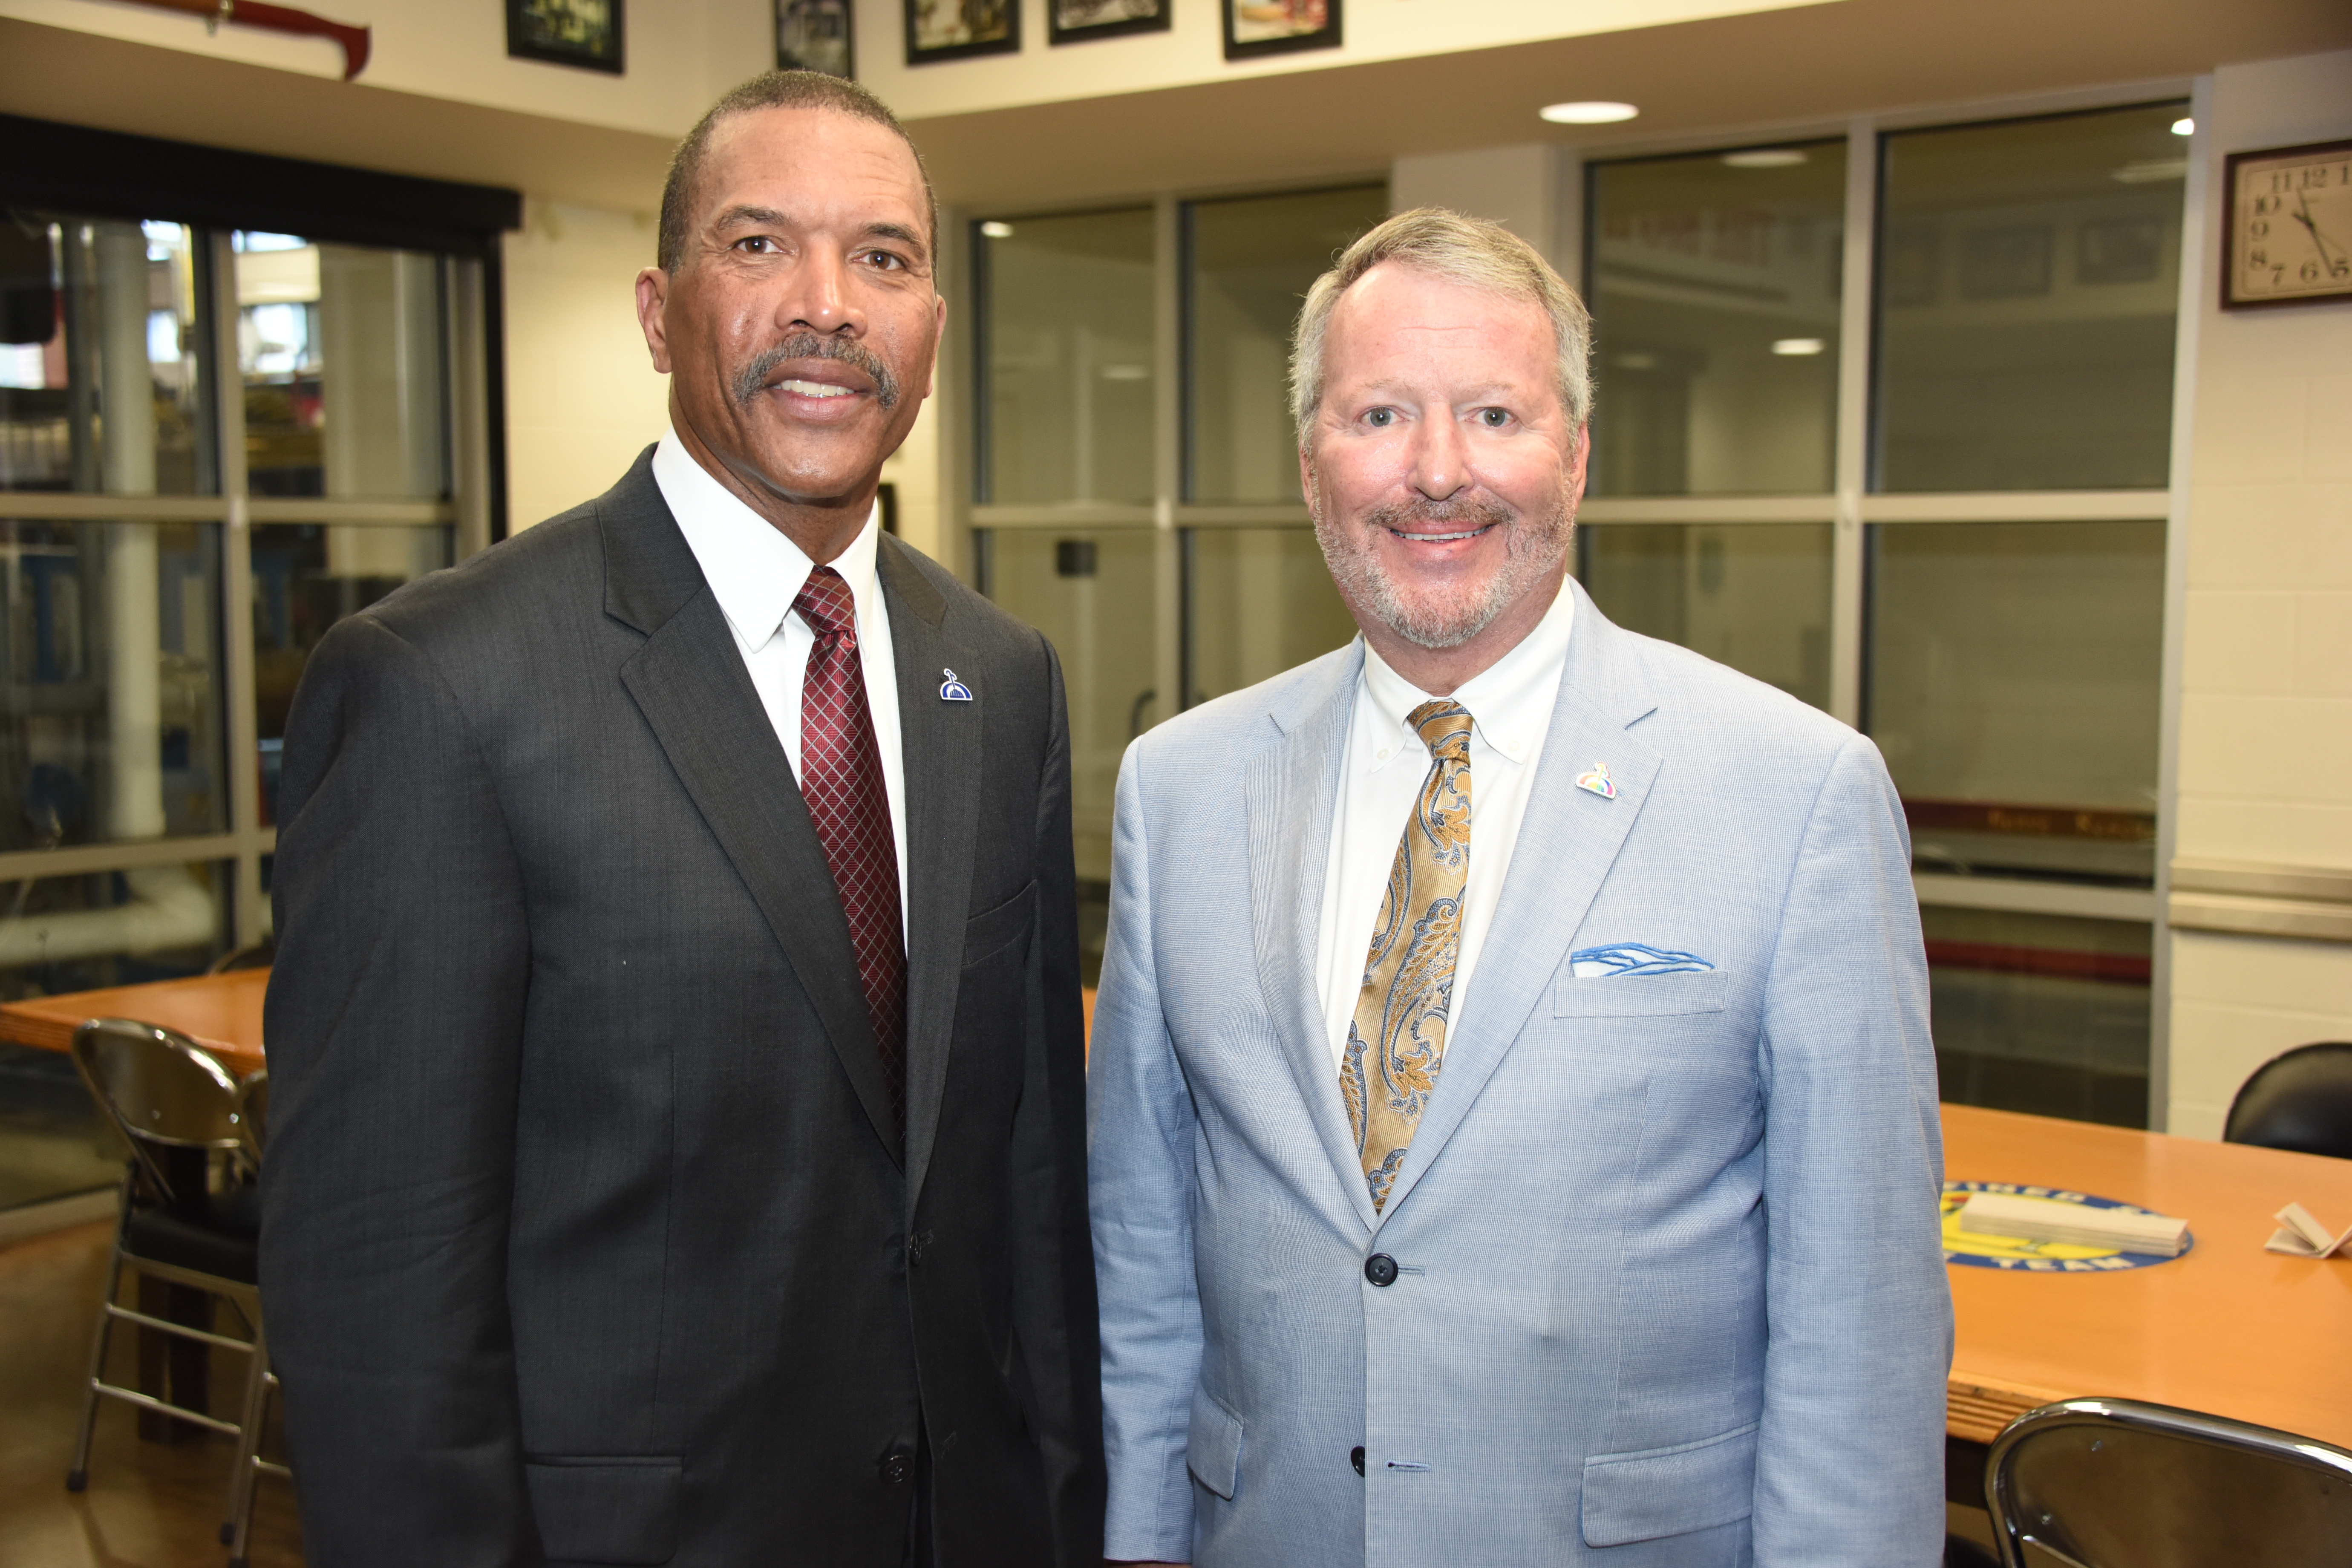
pixel 1469 251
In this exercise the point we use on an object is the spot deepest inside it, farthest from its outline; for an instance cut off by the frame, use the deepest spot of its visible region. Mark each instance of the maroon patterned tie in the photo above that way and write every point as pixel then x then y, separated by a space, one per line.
pixel 841 779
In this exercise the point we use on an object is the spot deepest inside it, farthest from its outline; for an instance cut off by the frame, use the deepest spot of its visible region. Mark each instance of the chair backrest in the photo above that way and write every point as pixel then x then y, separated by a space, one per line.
pixel 253 1113
pixel 2300 1099
pixel 256 955
pixel 160 1087
pixel 2113 1483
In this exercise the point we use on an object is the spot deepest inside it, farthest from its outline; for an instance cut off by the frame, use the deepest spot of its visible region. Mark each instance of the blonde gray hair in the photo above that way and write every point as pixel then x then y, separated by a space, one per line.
pixel 1469 251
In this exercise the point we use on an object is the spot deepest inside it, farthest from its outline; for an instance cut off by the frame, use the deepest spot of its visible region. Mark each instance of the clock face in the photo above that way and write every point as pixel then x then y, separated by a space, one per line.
pixel 2290 234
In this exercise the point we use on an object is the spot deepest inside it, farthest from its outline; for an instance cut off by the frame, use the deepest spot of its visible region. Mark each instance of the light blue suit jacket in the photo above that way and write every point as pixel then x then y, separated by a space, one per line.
pixel 1670 1288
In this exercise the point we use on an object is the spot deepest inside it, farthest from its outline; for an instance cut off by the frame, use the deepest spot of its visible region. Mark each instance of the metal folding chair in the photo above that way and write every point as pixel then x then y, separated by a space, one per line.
pixel 164 1092
pixel 2113 1483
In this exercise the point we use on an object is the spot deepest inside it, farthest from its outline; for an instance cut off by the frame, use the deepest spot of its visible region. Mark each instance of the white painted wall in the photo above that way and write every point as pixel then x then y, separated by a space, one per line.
pixel 582 398
pixel 681 54
pixel 2265 760
pixel 1192 50
pixel 1519 187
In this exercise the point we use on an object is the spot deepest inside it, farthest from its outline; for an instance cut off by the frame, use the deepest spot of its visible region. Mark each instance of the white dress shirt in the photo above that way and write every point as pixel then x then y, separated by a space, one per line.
pixel 1385 762
pixel 756 573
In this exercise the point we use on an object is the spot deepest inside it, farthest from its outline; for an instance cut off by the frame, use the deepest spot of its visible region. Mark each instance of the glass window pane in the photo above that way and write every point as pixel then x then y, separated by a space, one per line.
pixel 1714 301
pixel 306 578
pixel 2013 687
pixel 101 380
pixel 109 642
pixel 1258 601
pixel 1249 265
pixel 2028 279
pixel 2044 1013
pixel 77 933
pixel 1755 596
pixel 1091 593
pixel 1066 361
pixel 340 350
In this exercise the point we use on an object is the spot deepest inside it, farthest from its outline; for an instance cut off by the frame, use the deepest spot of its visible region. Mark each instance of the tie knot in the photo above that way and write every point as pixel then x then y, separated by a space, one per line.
pixel 825 604
pixel 1444 728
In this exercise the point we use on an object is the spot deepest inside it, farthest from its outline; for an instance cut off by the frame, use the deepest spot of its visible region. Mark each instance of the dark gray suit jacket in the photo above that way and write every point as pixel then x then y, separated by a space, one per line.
pixel 590 1235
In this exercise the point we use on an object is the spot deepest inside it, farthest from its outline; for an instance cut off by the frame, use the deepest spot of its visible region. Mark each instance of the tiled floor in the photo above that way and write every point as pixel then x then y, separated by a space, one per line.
pixel 149 1505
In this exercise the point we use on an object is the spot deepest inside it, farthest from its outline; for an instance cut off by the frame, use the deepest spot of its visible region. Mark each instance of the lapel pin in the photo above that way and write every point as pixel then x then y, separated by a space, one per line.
pixel 954 691
pixel 1597 782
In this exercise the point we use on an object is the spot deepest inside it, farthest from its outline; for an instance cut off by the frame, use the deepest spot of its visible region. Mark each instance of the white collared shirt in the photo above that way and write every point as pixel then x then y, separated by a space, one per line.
pixel 1385 761
pixel 755 573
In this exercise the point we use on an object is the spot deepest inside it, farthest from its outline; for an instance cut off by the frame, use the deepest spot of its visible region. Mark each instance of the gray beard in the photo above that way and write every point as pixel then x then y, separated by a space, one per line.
pixel 1532 547
pixel 752 379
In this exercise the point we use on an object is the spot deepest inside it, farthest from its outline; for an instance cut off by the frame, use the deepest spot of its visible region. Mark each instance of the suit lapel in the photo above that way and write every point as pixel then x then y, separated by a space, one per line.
pixel 1291 794
pixel 689 682
pixel 1567 839
pixel 940 745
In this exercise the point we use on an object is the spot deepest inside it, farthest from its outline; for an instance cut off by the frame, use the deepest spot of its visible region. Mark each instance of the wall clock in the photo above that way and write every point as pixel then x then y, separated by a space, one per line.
pixel 2289 235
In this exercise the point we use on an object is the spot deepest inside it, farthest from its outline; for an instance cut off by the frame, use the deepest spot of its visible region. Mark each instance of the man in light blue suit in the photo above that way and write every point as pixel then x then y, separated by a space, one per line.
pixel 1590 1216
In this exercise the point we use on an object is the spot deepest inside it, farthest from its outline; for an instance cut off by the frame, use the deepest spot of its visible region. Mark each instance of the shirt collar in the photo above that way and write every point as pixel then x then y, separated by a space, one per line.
pixel 754 571
pixel 1510 702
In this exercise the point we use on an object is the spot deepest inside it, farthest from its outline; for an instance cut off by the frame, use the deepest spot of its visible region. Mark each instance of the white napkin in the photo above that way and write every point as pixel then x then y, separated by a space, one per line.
pixel 2305 1237
pixel 2077 1224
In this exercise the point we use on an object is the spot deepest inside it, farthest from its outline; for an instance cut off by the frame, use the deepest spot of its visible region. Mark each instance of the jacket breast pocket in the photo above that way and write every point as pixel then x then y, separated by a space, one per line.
pixel 1656 1492
pixel 1640 995
pixel 621 1510
pixel 1212 1449
pixel 991 931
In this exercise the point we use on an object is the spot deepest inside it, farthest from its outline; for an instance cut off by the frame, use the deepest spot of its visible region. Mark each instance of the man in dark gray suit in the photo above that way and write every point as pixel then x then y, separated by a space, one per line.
pixel 678 1145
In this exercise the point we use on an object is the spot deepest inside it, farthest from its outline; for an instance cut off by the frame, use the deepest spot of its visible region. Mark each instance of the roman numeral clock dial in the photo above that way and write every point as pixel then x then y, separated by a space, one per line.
pixel 2289 239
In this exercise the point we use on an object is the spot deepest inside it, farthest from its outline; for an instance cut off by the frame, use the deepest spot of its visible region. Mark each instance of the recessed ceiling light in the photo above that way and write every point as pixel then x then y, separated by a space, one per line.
pixel 1637 361
pixel 2184 126
pixel 995 230
pixel 1798 347
pixel 1765 158
pixel 1587 112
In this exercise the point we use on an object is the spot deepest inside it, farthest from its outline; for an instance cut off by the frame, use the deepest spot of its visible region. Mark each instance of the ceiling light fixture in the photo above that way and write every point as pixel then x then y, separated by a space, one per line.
pixel 995 230
pixel 2184 126
pixel 1765 158
pixel 1798 347
pixel 1587 112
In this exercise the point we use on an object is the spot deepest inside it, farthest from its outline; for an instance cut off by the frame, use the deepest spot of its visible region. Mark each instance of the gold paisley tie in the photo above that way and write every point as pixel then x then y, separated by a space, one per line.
pixel 1396 1042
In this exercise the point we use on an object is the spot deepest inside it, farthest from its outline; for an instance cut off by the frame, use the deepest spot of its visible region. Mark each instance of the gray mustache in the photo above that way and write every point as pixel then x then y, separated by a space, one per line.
pixel 1478 512
pixel 752 379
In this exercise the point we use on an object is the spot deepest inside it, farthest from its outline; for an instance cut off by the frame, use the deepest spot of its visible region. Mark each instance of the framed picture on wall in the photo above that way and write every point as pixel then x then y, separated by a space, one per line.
pixel 1075 21
pixel 1255 28
pixel 959 29
pixel 816 35
pixel 583 33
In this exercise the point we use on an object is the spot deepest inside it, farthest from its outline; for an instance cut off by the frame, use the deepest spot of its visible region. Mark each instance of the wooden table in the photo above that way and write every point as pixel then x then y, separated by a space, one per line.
pixel 221 1013
pixel 2228 1328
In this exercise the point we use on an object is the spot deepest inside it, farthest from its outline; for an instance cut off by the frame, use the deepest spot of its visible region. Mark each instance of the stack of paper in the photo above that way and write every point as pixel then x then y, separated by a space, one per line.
pixel 2076 1225
pixel 2305 1237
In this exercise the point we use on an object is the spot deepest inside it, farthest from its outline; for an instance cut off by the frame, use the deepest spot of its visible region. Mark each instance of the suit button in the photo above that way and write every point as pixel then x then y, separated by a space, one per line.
pixel 897 1467
pixel 915 1244
pixel 1356 1457
pixel 1380 1269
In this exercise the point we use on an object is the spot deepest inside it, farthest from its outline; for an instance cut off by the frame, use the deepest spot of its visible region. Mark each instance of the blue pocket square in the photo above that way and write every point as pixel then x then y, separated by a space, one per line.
pixel 1631 958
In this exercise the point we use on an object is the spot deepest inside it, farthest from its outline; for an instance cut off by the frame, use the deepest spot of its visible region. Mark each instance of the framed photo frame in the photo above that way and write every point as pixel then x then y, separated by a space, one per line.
pixel 1254 27
pixel 587 34
pixel 1078 21
pixel 959 29
pixel 817 36
pixel 2286 238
